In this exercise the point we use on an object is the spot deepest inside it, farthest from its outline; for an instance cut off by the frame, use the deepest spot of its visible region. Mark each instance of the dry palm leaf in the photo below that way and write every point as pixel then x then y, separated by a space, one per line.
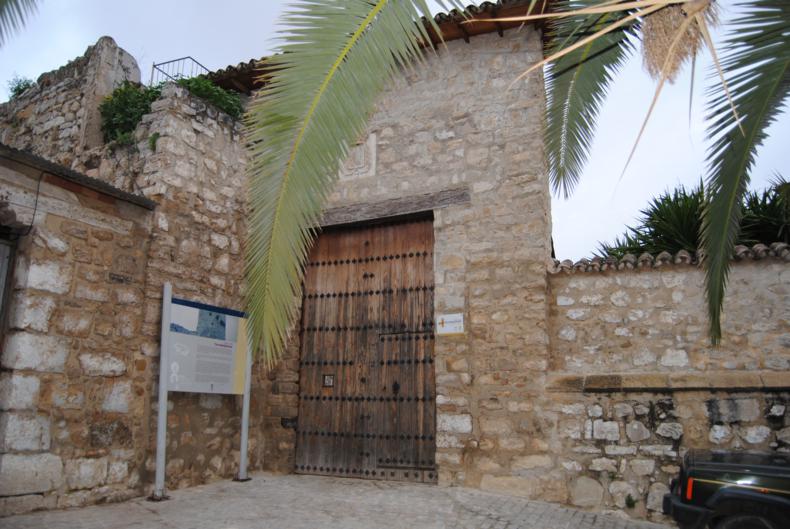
pixel 661 29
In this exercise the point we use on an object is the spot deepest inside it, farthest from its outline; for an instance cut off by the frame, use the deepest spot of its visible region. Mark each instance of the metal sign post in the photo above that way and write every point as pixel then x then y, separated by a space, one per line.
pixel 203 349
pixel 161 419
pixel 245 420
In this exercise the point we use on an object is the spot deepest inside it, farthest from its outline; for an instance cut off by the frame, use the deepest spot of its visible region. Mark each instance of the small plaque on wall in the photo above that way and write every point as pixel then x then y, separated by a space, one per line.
pixel 447 324
pixel 329 381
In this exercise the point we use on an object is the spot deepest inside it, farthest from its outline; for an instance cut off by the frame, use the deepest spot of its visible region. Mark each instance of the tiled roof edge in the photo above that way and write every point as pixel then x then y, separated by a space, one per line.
pixel 42 164
pixel 777 250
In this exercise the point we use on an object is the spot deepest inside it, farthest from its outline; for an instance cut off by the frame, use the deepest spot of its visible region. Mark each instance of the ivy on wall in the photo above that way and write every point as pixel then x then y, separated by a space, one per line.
pixel 225 100
pixel 123 110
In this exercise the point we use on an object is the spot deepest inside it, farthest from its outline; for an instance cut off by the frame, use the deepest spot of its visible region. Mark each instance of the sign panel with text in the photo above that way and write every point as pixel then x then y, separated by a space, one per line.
pixel 206 348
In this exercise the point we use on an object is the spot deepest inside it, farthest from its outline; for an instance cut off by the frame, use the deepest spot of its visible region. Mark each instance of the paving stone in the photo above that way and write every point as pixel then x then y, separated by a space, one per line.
pixel 278 502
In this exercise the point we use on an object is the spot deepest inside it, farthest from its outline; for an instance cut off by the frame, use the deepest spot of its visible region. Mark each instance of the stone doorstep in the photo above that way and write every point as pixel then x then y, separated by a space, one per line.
pixel 669 382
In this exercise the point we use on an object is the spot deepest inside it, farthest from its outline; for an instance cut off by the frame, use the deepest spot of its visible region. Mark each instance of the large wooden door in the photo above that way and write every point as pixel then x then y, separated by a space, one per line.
pixel 366 381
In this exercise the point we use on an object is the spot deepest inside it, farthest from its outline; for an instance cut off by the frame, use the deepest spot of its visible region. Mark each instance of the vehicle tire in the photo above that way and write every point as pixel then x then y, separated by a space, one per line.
pixel 744 521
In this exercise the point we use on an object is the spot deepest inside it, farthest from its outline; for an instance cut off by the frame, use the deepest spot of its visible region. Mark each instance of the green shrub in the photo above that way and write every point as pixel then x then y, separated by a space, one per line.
pixel 225 100
pixel 122 111
pixel 17 86
pixel 672 222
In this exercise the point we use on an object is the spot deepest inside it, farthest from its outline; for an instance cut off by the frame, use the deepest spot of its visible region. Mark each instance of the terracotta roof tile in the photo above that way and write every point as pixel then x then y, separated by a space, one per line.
pixel 777 250
pixel 244 76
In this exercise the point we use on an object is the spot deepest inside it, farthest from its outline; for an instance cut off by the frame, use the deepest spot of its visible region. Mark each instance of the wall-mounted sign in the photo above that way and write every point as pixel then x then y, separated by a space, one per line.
pixel 450 324
pixel 207 348
pixel 329 381
pixel 204 349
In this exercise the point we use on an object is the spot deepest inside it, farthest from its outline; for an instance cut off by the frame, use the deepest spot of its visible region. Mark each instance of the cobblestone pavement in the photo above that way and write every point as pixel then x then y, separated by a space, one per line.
pixel 301 502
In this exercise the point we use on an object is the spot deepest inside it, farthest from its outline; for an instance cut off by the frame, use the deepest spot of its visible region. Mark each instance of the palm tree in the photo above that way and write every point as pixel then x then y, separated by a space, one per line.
pixel 303 121
pixel 321 86
pixel 13 14
pixel 754 72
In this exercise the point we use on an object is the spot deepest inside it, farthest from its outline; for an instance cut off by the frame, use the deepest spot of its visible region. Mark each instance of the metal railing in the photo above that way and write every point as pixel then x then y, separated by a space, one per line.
pixel 183 68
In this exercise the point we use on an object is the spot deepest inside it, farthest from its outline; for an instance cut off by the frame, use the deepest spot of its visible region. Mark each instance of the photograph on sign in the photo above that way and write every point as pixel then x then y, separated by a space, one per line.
pixel 207 348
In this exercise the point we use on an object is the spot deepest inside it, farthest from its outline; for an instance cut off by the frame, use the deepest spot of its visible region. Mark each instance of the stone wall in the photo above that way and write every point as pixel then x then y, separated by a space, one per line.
pixel 195 173
pixel 73 426
pixel 635 382
pixel 453 125
pixel 59 118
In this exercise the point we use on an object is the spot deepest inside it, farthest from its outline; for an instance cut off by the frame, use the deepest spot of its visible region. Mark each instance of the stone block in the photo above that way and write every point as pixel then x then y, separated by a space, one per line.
pixel 674 358
pixel 29 474
pixel 586 492
pixel 105 434
pixel 68 396
pixel 118 399
pixel 775 380
pixel 75 322
pixel 603 464
pixel 494 426
pixel 105 365
pixel 617 450
pixel 50 276
pixel 729 410
pixel 86 473
pixel 458 365
pixel 567 333
pixel 607 430
pixel 512 443
pixel 655 496
pixel 516 486
pixel 636 431
pixel 645 382
pixel 24 350
pixel 595 410
pixel 22 504
pixel 532 462
pixel 756 434
pixel 670 430
pixel 29 312
pixel 454 423
pixel 642 467
pixel 444 440
pixel 741 380
pixel 92 292
pixel 24 433
pixel 118 471
pixel 719 433
pixel 18 392
pixel 620 491
pixel 623 410
pixel 658 450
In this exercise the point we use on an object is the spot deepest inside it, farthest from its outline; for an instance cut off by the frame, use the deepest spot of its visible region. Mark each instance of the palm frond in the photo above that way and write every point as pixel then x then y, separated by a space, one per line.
pixel 13 14
pixel 576 86
pixel 334 59
pixel 756 63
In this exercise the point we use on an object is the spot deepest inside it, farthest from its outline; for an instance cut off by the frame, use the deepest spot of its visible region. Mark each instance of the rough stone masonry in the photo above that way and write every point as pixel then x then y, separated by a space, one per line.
pixel 574 384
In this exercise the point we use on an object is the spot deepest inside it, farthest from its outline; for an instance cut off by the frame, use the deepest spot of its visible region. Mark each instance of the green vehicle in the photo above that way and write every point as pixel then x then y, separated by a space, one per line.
pixel 731 490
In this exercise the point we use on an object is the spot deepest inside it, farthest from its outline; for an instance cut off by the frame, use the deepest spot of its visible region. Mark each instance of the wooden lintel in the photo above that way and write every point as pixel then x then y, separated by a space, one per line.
pixel 395 207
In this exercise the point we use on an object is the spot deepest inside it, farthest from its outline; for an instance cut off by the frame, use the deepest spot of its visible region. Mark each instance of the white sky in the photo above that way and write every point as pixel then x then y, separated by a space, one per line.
pixel 221 33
